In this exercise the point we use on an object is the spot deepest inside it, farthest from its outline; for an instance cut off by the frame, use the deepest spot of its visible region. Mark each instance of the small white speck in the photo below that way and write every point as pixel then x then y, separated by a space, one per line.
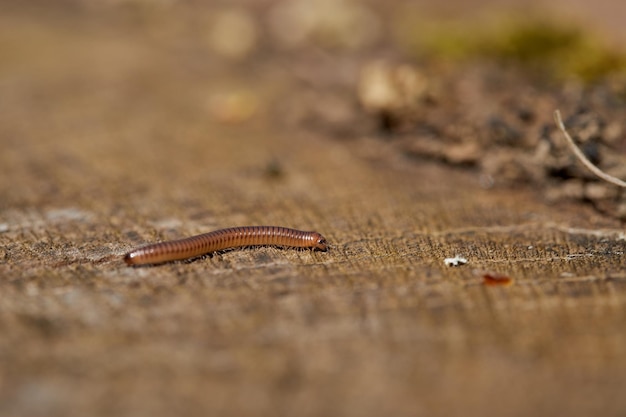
pixel 458 260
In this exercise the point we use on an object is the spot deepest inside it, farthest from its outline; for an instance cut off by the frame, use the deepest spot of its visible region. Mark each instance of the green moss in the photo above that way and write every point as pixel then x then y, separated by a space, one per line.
pixel 592 62
pixel 550 48
pixel 529 42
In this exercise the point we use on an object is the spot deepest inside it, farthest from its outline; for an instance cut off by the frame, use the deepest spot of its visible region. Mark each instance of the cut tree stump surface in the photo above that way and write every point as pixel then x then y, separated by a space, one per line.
pixel 108 144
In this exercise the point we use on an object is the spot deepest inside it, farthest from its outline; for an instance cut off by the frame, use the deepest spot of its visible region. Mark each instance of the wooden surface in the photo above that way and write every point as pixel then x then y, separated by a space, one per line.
pixel 108 143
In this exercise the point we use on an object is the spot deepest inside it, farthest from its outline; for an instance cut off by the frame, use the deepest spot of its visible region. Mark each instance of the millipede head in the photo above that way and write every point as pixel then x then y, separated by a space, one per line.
pixel 320 242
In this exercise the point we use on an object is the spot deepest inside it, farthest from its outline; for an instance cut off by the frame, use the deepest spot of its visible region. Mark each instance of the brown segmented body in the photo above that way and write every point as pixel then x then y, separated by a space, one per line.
pixel 222 239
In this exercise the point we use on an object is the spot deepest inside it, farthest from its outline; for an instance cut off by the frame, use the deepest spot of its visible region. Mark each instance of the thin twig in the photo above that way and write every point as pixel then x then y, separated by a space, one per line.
pixel 586 162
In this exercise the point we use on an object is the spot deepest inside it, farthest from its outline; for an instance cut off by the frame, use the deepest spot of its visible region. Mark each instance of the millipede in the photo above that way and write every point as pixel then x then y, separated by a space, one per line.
pixel 218 240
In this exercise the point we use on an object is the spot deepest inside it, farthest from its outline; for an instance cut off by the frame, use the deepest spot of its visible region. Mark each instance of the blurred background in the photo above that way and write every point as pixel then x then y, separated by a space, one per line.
pixel 115 73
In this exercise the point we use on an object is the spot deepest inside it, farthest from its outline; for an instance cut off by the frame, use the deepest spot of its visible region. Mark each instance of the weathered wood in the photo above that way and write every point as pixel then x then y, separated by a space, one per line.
pixel 120 151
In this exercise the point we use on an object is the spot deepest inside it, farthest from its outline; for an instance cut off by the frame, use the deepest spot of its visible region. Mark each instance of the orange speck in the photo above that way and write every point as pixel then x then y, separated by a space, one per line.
pixel 497 279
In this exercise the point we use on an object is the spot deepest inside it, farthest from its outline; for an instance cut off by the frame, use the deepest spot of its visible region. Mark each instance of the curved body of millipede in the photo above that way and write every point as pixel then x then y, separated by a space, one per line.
pixel 234 237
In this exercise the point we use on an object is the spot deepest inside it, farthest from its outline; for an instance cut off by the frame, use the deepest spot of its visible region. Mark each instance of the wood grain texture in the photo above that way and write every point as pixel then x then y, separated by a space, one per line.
pixel 121 150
